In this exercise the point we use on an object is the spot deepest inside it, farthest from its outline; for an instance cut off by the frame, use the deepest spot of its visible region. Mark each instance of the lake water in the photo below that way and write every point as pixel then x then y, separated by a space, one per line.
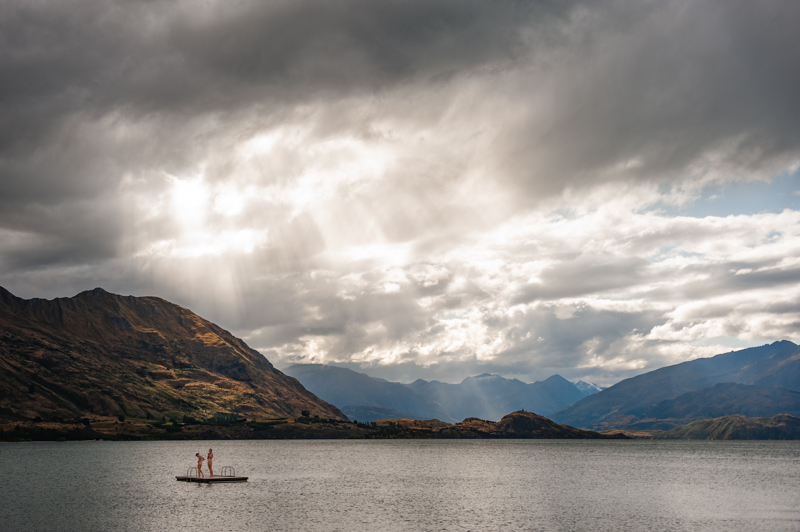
pixel 404 485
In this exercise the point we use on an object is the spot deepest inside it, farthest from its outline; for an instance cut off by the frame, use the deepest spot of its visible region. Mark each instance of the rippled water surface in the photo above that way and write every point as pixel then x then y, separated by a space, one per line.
pixel 404 485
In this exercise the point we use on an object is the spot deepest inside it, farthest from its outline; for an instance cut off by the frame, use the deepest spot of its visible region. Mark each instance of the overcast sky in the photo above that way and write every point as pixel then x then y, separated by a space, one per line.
pixel 417 189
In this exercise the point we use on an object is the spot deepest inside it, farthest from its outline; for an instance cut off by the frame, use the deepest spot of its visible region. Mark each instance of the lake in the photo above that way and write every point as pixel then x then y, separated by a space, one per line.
pixel 389 485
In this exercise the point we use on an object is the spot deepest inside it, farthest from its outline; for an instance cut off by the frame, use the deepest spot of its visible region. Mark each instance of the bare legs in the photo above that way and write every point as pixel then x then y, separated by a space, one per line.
pixel 211 471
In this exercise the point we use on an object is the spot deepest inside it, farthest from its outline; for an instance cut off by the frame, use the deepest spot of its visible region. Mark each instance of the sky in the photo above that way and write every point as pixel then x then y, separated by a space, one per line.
pixel 415 189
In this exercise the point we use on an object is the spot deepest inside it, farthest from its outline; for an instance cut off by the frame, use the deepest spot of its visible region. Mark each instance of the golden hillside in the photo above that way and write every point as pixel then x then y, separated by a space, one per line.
pixel 104 354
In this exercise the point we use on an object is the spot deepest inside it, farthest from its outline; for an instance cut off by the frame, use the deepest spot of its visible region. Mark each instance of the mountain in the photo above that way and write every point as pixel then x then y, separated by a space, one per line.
pixel 491 396
pixel 347 389
pixel 543 397
pixel 588 388
pixel 529 425
pixel 627 402
pixel 485 396
pixel 780 427
pixel 104 354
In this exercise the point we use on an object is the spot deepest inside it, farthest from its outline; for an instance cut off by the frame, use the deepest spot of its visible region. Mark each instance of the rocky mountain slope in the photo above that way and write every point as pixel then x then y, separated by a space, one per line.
pixel 103 354
pixel 628 404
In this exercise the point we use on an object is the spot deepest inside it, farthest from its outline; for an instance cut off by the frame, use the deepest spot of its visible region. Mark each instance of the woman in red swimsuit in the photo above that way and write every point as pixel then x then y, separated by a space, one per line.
pixel 199 465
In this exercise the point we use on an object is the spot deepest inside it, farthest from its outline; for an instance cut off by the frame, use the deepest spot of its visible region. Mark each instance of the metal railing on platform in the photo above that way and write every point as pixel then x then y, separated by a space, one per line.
pixel 224 471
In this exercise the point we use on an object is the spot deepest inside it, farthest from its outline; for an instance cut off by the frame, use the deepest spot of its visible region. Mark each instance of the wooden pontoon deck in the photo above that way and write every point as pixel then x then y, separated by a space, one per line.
pixel 228 475
pixel 207 480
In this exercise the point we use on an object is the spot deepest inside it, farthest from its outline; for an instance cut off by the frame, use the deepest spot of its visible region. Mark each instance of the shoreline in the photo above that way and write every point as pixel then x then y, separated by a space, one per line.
pixel 517 425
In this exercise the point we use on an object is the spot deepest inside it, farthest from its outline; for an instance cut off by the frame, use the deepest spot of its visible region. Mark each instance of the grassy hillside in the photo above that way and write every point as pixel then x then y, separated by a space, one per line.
pixel 728 399
pixel 101 354
pixel 781 427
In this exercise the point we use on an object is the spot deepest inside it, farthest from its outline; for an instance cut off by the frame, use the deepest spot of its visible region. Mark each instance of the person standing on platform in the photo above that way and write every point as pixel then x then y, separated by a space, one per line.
pixel 210 458
pixel 199 465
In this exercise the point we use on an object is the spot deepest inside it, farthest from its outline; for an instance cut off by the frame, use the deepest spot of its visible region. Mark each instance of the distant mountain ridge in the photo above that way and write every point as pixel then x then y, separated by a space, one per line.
pixel 484 396
pixel 346 388
pixel 491 396
pixel 99 353
pixel 588 388
pixel 632 403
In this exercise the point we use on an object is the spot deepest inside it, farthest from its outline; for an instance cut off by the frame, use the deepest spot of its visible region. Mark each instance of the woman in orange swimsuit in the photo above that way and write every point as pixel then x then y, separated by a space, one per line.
pixel 210 458
pixel 199 465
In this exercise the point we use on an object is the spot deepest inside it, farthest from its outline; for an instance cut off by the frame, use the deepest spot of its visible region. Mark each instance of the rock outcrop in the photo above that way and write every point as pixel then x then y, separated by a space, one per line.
pixel 516 425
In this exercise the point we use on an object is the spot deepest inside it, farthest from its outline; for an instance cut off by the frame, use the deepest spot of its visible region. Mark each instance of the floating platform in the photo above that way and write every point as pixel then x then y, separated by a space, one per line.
pixel 228 475
pixel 210 480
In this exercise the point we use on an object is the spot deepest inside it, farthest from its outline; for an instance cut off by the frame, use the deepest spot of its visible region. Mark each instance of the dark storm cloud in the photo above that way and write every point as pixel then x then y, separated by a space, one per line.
pixel 320 47
pixel 655 89
pixel 655 85
pixel 94 90
pixel 465 115
pixel 138 58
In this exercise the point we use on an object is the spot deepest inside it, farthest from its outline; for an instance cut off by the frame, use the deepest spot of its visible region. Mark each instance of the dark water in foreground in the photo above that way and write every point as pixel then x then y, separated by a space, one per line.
pixel 404 485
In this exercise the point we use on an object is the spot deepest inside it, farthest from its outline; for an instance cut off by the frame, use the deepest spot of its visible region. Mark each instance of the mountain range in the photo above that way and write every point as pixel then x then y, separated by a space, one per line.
pixel 758 382
pixel 101 354
pixel 484 396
